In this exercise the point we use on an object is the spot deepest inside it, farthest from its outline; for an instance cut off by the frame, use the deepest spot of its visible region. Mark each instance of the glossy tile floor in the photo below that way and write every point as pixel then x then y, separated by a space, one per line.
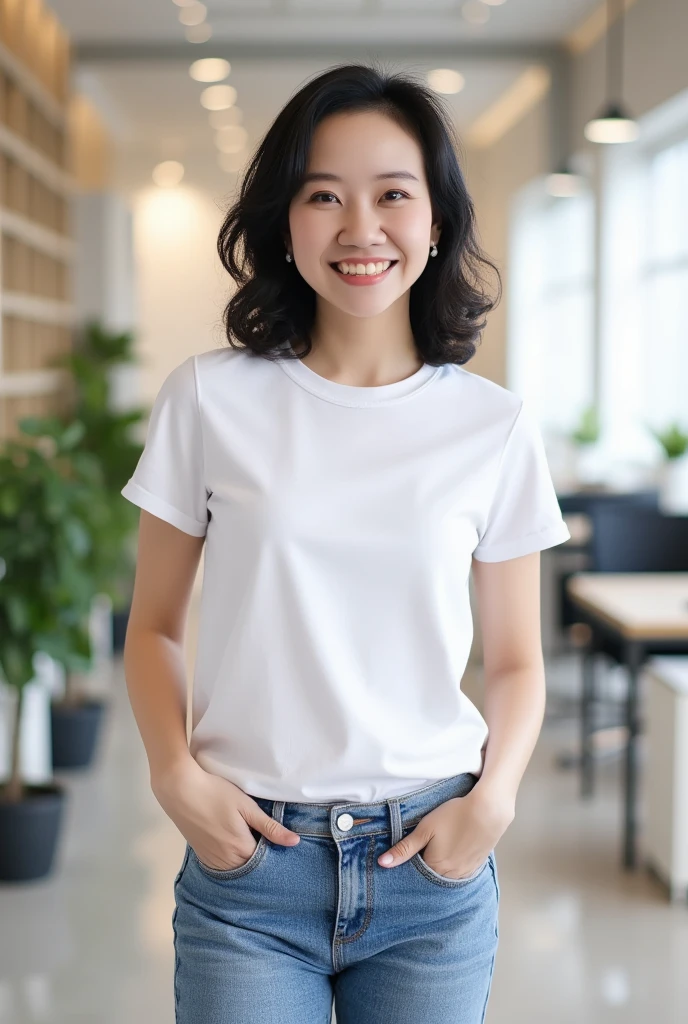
pixel 582 942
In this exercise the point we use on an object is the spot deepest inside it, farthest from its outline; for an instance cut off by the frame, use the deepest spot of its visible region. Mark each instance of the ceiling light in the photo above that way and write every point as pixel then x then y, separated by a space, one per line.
pixel 168 174
pixel 445 80
pixel 494 3
pixel 231 139
pixel 218 97
pixel 210 69
pixel 231 161
pixel 612 125
pixel 223 118
pixel 193 15
pixel 199 33
pixel 475 12
pixel 564 185
pixel 184 3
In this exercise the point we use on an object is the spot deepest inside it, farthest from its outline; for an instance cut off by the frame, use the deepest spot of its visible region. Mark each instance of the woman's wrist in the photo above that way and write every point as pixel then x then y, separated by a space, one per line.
pixel 497 798
pixel 168 776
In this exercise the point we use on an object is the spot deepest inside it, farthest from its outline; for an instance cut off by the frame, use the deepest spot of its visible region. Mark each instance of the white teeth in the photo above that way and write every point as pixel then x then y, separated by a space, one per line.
pixel 364 268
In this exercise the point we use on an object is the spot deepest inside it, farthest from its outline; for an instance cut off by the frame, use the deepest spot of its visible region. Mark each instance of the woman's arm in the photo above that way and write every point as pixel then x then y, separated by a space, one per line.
pixel 508 596
pixel 214 816
pixel 166 566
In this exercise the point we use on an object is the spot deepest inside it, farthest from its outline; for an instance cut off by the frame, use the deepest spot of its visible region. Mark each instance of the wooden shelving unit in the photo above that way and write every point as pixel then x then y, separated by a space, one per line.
pixel 36 249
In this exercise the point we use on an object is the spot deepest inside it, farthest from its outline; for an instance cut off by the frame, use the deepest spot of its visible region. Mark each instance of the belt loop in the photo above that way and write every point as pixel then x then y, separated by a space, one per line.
pixel 394 819
pixel 277 810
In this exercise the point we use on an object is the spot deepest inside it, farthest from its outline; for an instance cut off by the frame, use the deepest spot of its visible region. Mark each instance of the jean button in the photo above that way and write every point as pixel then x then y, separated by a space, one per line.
pixel 345 822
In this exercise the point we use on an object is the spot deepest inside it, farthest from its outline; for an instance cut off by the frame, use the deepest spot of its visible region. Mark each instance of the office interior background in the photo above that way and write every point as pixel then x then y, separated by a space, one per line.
pixel 124 128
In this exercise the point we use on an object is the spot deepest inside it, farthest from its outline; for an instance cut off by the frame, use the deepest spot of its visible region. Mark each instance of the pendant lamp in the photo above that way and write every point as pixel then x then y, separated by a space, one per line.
pixel 613 124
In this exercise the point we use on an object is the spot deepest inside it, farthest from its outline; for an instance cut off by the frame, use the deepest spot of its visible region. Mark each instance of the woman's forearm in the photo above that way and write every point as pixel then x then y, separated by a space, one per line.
pixel 514 709
pixel 156 682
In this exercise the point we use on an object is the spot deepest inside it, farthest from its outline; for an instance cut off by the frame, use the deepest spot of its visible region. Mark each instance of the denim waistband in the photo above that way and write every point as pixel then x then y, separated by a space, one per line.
pixel 391 814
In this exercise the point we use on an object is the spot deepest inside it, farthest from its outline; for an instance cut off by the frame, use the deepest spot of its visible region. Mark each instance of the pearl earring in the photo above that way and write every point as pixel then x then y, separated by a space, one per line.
pixel 433 249
pixel 289 258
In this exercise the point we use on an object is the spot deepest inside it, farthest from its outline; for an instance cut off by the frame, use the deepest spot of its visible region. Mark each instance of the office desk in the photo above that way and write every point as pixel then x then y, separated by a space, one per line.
pixel 639 611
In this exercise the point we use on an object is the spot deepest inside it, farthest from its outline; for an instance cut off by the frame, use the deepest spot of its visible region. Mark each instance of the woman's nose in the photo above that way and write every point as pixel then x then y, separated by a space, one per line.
pixel 361 228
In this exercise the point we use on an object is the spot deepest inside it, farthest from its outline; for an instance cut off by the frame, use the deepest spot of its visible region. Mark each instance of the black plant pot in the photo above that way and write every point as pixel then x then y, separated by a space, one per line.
pixel 29 831
pixel 75 730
pixel 120 620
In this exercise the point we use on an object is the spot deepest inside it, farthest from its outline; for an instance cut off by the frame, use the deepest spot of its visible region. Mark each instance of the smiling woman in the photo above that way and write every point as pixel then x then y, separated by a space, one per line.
pixel 360 167
pixel 341 796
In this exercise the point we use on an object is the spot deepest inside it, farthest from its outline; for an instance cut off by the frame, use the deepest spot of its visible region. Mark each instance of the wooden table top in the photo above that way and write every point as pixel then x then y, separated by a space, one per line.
pixel 638 605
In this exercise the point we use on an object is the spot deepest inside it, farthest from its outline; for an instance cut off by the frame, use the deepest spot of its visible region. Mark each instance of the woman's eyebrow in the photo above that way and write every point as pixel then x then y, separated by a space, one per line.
pixel 326 176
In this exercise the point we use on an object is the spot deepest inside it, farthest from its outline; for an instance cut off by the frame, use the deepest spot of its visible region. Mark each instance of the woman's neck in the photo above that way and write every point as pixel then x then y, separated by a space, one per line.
pixel 363 351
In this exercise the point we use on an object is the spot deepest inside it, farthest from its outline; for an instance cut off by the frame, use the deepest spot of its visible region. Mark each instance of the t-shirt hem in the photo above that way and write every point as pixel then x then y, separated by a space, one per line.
pixel 547 538
pixel 156 506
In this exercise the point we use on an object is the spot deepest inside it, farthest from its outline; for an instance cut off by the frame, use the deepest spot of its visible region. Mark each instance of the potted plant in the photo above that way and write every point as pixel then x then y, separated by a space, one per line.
pixel 76 718
pixel 49 513
pixel 580 468
pixel 673 494
pixel 99 358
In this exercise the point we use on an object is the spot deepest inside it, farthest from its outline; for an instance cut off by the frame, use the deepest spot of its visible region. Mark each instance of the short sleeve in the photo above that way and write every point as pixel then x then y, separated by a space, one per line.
pixel 168 480
pixel 524 515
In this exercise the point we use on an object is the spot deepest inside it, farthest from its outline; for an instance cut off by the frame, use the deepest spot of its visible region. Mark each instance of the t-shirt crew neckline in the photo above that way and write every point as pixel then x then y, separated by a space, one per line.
pixel 353 395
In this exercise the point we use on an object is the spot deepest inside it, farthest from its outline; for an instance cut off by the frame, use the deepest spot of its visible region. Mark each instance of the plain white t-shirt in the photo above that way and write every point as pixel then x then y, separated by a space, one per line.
pixel 339 525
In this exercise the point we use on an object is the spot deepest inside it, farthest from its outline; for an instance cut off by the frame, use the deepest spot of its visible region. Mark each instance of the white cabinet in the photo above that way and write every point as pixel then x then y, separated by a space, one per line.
pixel 666 825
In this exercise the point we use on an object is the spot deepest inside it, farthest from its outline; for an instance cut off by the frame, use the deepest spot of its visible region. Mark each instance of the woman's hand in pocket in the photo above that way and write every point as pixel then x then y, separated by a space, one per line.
pixel 456 837
pixel 215 816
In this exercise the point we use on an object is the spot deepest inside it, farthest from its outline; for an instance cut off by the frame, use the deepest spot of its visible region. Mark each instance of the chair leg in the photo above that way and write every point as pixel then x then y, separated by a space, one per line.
pixel 587 776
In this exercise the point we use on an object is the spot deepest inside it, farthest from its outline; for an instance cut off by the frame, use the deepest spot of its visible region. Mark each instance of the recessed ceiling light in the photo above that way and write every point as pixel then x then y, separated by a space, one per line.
pixel 218 97
pixel 199 33
pixel 231 139
pixel 223 118
pixel 446 80
pixel 168 174
pixel 193 15
pixel 210 69
pixel 494 3
pixel 475 12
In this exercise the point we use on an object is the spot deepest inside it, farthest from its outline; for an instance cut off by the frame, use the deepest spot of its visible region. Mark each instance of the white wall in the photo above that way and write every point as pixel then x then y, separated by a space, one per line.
pixel 181 285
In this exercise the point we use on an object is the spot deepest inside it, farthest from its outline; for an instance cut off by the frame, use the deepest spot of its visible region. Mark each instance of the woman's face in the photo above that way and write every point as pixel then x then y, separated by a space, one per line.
pixel 365 201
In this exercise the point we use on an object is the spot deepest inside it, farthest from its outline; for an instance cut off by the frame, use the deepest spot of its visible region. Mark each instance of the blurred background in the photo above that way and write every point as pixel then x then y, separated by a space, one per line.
pixel 124 128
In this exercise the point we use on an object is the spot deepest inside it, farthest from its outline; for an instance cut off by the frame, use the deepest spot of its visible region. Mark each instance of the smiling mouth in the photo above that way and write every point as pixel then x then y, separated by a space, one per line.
pixel 361 277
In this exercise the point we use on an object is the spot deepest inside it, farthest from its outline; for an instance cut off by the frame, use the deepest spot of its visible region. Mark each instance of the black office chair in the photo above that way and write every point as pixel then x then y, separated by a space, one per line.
pixel 632 538
pixel 627 538
pixel 587 502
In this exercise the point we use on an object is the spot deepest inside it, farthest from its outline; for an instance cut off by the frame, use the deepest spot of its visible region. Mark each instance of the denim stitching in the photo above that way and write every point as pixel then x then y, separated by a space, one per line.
pixel 447 883
pixel 243 869
pixel 369 896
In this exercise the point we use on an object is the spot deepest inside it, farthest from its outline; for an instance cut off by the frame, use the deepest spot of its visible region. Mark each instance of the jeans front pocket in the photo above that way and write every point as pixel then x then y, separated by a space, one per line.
pixel 238 872
pixel 434 876
pixel 438 879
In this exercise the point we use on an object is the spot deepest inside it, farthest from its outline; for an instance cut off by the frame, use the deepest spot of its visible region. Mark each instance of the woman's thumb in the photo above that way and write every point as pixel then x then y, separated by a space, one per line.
pixel 272 829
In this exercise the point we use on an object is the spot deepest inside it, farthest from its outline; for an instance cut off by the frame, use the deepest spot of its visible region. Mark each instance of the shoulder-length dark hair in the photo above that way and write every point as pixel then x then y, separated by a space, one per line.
pixel 273 305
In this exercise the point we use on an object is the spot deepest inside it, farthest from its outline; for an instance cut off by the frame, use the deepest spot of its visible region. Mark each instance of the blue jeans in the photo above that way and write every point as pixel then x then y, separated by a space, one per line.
pixel 274 940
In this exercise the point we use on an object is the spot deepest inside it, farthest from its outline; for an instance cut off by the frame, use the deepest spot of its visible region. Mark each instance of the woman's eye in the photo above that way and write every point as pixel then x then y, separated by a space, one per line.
pixel 331 195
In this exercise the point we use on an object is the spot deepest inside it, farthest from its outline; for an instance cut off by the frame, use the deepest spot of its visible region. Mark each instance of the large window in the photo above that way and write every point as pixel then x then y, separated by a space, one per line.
pixel 665 288
pixel 550 344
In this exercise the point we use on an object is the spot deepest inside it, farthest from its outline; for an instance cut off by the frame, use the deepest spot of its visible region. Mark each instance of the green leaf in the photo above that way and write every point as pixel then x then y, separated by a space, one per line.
pixel 72 435
pixel 77 537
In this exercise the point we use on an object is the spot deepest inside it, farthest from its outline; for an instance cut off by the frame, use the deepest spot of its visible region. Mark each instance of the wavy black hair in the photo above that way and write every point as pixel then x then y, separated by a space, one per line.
pixel 273 305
